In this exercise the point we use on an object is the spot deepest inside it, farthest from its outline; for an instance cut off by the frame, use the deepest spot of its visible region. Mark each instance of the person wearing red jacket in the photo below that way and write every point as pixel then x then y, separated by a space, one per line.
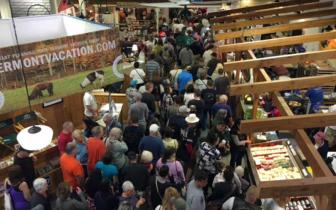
pixel 65 136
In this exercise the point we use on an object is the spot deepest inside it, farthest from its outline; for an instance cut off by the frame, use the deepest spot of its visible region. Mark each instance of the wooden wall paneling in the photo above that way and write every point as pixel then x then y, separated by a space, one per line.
pixel 70 109
pixel 274 11
pixel 276 28
pixel 280 60
pixel 285 41
pixel 258 7
pixel 276 19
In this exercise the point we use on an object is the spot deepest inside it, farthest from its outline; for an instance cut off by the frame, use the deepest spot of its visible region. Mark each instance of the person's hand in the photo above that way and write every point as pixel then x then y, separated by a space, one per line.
pixel 221 145
pixel 34 158
pixel 78 190
pixel 140 202
pixel 248 142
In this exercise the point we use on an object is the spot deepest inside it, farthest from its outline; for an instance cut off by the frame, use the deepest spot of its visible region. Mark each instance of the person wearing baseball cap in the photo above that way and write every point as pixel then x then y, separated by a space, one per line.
pixel 153 143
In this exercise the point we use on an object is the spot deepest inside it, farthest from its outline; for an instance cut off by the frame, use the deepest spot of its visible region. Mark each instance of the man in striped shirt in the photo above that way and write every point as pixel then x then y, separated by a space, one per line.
pixel 152 68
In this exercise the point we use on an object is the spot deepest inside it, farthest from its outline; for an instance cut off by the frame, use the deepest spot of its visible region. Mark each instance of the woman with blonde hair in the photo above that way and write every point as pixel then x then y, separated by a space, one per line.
pixel 170 194
pixel 79 138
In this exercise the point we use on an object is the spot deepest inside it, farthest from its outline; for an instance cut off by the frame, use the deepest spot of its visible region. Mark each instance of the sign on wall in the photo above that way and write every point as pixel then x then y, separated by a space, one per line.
pixel 57 68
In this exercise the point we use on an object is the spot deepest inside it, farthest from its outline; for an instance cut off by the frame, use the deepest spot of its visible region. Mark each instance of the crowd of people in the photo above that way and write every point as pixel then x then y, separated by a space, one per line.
pixel 172 153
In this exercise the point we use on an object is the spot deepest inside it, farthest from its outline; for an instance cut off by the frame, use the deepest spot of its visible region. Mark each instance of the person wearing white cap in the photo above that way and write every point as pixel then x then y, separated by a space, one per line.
pixel 153 143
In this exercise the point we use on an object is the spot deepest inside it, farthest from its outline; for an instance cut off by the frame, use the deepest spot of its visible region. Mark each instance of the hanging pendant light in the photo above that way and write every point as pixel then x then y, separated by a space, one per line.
pixel 35 137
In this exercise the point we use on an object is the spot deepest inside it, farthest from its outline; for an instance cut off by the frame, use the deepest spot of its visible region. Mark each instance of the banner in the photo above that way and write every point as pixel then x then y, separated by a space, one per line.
pixel 57 68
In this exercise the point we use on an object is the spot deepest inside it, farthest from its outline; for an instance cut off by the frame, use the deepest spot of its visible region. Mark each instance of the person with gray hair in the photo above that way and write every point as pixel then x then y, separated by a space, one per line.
pixel 153 143
pixel 110 122
pixel 65 136
pixel 117 148
pixel 40 196
pixel 139 110
pixel 72 169
pixel 222 104
pixel 128 195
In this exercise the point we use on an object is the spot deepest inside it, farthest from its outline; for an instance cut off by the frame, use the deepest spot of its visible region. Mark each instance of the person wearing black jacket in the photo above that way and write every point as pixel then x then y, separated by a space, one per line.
pixel 149 98
pixel 105 198
pixel 26 163
pixel 135 172
pixel 40 195
pixel 224 190
pixel 212 64
pixel 158 186
pixel 238 146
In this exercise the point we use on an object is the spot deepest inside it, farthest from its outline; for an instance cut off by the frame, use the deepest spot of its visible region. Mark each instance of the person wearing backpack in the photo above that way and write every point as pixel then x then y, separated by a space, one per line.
pixel 168 56
pixel 209 97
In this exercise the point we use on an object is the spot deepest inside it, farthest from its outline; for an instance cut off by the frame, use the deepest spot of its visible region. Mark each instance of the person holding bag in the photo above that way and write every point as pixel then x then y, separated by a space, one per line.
pixel 17 190
pixel 176 173
pixel 158 186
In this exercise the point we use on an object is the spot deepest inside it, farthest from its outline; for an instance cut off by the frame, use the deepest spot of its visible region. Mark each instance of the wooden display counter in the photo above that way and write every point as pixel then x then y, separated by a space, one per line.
pixel 103 98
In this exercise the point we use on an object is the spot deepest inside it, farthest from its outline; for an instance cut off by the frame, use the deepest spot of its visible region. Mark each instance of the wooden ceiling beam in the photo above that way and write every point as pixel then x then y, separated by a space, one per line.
pixel 288 122
pixel 280 85
pixel 285 41
pixel 320 169
pixel 262 13
pixel 279 60
pixel 276 19
pixel 298 187
pixel 277 28
pixel 259 7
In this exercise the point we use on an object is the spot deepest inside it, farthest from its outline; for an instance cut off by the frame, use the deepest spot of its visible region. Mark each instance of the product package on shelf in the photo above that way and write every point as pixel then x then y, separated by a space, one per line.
pixel 300 203
pixel 274 161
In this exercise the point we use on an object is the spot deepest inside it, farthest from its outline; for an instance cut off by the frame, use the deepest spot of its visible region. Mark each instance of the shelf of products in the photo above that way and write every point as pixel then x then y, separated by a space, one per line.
pixel 274 161
pixel 247 109
pixel 300 203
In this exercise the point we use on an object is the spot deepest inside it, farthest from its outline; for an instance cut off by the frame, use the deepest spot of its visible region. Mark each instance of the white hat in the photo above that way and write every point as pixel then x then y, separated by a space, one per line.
pixel 183 109
pixel 154 128
pixel 192 118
